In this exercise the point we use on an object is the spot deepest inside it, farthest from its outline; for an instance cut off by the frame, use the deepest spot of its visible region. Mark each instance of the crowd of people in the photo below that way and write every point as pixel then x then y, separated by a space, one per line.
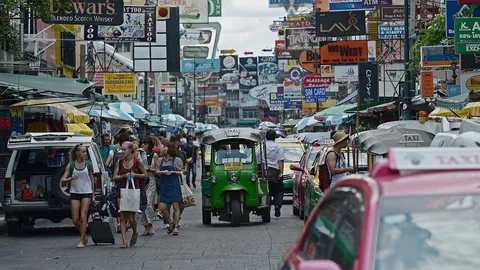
pixel 153 164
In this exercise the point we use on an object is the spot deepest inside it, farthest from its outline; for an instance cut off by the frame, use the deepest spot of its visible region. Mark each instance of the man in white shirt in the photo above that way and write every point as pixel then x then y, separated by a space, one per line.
pixel 275 161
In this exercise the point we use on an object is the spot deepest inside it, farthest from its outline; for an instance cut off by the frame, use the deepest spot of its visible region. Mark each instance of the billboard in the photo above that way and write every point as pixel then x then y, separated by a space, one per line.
pixel 438 56
pixel 343 52
pixel 200 65
pixel 139 24
pixel 338 24
pixel 452 7
pixel 300 39
pixel 248 72
pixel 470 81
pixel 391 31
pixel 267 70
pixel 85 12
pixel 191 11
pixel 229 71
pixel 368 82
pixel 119 84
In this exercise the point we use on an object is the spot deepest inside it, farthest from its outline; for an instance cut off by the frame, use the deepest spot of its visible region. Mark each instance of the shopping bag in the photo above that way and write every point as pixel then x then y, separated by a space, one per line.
pixel 187 195
pixel 130 199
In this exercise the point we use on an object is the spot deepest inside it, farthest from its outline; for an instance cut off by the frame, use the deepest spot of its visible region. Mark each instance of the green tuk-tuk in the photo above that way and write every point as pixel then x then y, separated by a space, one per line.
pixel 233 185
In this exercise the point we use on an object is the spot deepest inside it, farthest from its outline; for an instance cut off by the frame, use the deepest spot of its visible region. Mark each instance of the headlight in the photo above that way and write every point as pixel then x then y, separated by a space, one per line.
pixel 253 177
pixel 214 179
pixel 234 176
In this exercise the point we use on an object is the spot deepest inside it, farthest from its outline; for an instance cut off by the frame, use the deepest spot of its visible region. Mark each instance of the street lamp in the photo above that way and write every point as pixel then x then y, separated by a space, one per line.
pixel 453 65
pixel 284 22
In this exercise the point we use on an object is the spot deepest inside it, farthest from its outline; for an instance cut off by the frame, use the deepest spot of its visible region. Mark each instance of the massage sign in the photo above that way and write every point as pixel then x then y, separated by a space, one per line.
pixel 343 52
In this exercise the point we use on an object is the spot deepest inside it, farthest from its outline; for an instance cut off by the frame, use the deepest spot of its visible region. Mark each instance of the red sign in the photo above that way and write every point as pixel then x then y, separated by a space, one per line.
pixel 280 44
pixel 98 74
pixel 316 80
pixel 300 24
pixel 469 2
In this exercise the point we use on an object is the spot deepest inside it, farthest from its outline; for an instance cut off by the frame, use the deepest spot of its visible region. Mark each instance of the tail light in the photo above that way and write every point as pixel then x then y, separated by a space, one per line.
pixel 7 186
pixel 98 182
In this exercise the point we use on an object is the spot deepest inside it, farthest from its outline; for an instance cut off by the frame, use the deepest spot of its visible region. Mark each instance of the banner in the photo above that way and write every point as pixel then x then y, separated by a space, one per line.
pixel 438 56
pixel 191 11
pixel 346 73
pixel 393 13
pixel 344 52
pixel 334 5
pixel 94 12
pixel 391 31
pixel 267 70
pixel 248 72
pixel 338 24
pixel 139 24
pixel 367 82
pixel 119 84
pixel 215 8
pixel 300 39
pixel 469 61
pixel 229 71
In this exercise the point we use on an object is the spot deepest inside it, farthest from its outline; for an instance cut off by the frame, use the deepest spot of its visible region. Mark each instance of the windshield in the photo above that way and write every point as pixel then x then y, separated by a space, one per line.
pixel 292 154
pixel 434 232
pixel 233 152
pixel 311 158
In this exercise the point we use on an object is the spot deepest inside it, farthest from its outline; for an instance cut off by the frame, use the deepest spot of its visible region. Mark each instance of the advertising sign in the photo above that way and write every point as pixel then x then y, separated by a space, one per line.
pixel 267 70
pixel 346 73
pixel 452 8
pixel 334 5
pixel 98 74
pixel 195 37
pixel 292 90
pixel 438 56
pixel 169 89
pixel 470 81
pixel 291 73
pixel 283 3
pixel 327 71
pixel 191 11
pixel 467 34
pixel 229 71
pixel 375 3
pixel 391 31
pixel 393 13
pixel 367 82
pixel 248 72
pixel 300 39
pixel 214 8
pixel 300 24
pixel 454 90
pixel 309 60
pixel 119 84
pixel 344 52
pixel 315 88
pixel 95 12
pixel 338 24
pixel 195 51
pixel 470 61
pixel 139 24
pixel 200 65
pixel 428 89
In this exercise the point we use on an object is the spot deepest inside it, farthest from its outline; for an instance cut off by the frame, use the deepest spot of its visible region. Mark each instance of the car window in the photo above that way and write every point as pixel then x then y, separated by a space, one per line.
pixel 335 231
pixel 42 159
pixel 292 154
pixel 96 153
pixel 233 153
pixel 311 158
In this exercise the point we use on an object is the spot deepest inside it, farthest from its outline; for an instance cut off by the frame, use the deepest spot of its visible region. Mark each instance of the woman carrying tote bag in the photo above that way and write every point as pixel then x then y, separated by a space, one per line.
pixel 129 174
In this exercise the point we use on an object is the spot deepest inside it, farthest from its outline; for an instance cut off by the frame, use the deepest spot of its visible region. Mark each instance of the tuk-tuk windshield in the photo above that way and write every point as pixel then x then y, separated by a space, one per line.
pixel 233 152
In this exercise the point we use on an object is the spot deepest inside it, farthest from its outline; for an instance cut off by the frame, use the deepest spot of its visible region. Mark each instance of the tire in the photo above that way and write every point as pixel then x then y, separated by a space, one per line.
pixel 113 241
pixel 236 212
pixel 266 215
pixel 60 193
pixel 206 217
pixel 302 215
pixel 14 228
pixel 295 210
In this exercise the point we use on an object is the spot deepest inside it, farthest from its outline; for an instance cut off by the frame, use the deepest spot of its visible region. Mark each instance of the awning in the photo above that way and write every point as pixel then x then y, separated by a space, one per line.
pixel 73 114
pixel 27 84
pixel 473 109
pixel 291 123
pixel 373 107
pixel 335 110
pixel 455 103
pixel 442 112
pixel 246 123
pixel 349 98
pixel 80 128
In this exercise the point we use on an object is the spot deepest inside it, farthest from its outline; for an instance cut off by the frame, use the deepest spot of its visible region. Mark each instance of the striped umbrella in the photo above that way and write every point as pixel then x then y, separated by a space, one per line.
pixel 209 127
pixel 305 122
pixel 200 126
pixel 133 109
pixel 112 113
pixel 173 120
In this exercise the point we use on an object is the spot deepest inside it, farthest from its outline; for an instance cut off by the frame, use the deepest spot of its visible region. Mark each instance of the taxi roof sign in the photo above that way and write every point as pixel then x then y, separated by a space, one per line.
pixel 232 132
pixel 425 159
pixel 411 138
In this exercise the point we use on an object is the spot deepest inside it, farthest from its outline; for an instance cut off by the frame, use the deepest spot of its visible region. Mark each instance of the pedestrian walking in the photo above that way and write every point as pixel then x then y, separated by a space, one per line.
pixel 275 161
pixel 129 168
pixel 191 152
pixel 336 163
pixel 145 218
pixel 170 169
pixel 79 175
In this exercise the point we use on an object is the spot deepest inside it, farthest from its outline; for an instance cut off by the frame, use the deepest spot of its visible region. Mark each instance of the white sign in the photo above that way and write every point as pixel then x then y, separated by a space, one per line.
pixel 191 11
pixel 276 107
pixel 169 89
pixel 292 90
pixel 372 50
pixel 434 158
pixel 214 111
pixel 346 73
pixel 470 81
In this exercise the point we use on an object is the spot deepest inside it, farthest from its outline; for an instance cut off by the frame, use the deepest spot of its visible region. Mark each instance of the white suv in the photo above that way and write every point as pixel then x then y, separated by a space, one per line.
pixel 32 186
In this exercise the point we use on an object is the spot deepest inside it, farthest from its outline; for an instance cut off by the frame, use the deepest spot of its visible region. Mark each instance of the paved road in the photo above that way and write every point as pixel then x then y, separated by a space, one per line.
pixel 219 246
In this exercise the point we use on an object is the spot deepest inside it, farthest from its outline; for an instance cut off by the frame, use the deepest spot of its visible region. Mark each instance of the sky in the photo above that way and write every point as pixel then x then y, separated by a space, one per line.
pixel 245 25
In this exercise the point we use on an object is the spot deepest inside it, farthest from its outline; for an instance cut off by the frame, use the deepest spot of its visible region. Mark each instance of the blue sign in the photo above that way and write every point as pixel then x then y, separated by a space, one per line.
pixel 292 105
pixel 315 94
pixel 391 31
pixel 452 8
pixel 200 65
pixel 347 5
pixel 277 98
pixel 454 90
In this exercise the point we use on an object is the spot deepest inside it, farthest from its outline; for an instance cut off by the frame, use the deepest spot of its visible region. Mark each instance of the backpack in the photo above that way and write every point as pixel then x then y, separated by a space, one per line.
pixel 324 176
pixel 116 157
pixel 72 167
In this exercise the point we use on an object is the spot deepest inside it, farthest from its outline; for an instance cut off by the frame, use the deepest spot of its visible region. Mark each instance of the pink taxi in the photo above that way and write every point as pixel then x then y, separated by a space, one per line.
pixel 418 209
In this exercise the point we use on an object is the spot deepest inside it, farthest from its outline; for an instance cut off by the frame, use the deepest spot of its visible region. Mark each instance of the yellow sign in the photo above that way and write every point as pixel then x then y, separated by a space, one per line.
pixel 119 84
pixel 233 166
pixel 227 51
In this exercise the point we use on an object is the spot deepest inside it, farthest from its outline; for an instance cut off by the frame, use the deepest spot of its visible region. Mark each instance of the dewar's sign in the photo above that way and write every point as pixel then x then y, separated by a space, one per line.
pixel 94 12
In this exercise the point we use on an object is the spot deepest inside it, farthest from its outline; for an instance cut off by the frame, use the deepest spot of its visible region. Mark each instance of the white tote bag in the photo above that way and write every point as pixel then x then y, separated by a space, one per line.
pixel 130 199
pixel 187 195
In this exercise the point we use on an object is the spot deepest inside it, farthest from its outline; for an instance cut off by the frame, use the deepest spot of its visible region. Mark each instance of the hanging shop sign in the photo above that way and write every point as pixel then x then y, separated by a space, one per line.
pixel 454 90
pixel 95 12
pixel 300 39
pixel 376 3
pixel 453 7
pixel 98 75
pixel 368 82
pixel 300 24
pixel 438 56
pixel 267 70
pixel 169 89
pixel 309 60
pixel 315 88
pixel 338 24
pixel 467 35
pixel 335 5
pixel 195 37
pixel 229 71
pixel 470 61
pixel 191 11
pixel 215 8
pixel 391 31
pixel 327 71
pixel 248 72
pixel 139 24
pixel 428 89
pixel 393 13
pixel 119 84
pixel 344 52
pixel 195 52
pixel 346 73
pixel 292 90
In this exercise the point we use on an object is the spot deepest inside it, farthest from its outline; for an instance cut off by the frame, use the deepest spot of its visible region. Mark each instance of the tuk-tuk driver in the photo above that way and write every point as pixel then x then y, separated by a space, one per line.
pixel 235 152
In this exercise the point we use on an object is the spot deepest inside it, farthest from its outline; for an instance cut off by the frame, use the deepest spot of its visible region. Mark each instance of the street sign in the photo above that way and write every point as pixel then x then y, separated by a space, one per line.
pixel 467 35
pixel 266 50
pixel 231 51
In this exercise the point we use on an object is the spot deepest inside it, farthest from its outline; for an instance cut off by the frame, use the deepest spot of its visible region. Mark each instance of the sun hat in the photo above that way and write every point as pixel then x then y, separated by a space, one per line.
pixel 339 136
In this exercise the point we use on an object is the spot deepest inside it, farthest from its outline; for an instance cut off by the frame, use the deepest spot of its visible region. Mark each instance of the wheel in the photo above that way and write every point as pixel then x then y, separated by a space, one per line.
pixel 206 217
pixel 295 210
pixel 60 191
pixel 14 228
pixel 113 241
pixel 266 215
pixel 95 243
pixel 236 212
pixel 302 215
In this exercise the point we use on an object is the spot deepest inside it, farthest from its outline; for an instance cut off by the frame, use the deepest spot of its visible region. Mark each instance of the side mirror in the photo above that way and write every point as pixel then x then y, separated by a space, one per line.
pixel 318 265
pixel 295 167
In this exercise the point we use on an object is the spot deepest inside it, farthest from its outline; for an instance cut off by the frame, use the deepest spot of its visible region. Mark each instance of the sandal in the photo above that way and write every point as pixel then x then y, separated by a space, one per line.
pixel 175 231
pixel 171 227
pixel 124 245
pixel 133 241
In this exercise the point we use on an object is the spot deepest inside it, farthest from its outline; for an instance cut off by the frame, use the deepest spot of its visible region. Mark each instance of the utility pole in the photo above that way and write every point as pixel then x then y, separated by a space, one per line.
pixel 176 92
pixel 407 102
pixel 194 92
pixel 145 91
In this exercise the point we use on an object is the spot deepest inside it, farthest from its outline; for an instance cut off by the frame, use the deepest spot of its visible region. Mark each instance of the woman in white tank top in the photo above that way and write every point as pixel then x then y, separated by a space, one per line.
pixel 78 174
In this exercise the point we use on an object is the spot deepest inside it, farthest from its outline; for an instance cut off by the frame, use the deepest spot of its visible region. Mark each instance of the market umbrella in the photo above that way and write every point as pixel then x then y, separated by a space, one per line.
pixel 133 109
pixel 111 113
pixel 209 127
pixel 72 113
pixel 267 124
pixel 173 120
pixel 200 126
pixel 305 122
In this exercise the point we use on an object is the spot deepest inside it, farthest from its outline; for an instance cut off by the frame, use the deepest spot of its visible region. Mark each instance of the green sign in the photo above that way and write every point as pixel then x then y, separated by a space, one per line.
pixel 214 8
pixel 467 35
pixel 195 52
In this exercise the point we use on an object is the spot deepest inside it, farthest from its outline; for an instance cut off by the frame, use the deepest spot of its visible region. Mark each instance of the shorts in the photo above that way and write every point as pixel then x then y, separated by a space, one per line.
pixel 80 196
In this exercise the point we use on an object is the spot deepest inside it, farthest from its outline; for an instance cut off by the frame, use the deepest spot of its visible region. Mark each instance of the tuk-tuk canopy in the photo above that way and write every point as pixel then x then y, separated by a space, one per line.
pixel 378 141
pixel 249 134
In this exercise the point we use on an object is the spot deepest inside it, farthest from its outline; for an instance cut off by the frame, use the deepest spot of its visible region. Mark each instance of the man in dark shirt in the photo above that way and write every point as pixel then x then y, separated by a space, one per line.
pixel 191 154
